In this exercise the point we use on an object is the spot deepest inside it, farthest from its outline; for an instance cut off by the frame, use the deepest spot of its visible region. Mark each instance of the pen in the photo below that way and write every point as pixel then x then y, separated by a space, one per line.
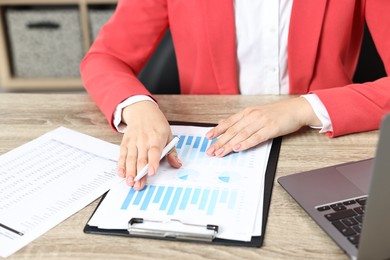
pixel 167 148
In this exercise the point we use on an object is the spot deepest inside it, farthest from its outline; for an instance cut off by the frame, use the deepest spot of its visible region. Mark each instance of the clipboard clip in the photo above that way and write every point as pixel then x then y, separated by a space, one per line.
pixel 172 229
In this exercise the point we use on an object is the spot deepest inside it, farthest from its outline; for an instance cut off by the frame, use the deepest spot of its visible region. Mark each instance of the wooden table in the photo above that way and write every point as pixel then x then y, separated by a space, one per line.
pixel 290 233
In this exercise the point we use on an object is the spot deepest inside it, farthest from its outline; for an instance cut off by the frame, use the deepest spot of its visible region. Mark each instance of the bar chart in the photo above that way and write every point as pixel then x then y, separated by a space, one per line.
pixel 170 199
pixel 203 184
pixel 192 149
pixel 205 189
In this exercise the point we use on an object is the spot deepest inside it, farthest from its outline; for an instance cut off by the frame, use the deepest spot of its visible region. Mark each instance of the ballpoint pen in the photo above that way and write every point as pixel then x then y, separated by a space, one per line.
pixel 166 149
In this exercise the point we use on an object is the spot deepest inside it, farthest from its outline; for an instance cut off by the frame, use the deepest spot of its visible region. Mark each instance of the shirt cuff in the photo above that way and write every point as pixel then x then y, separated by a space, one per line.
pixel 321 113
pixel 119 125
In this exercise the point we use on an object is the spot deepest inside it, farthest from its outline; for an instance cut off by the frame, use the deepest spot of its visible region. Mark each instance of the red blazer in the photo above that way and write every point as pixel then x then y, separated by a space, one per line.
pixel 324 43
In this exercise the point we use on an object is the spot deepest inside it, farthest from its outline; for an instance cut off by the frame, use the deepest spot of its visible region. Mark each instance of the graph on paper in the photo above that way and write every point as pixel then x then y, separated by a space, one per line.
pixel 227 191
pixel 170 200
pixel 198 169
pixel 192 149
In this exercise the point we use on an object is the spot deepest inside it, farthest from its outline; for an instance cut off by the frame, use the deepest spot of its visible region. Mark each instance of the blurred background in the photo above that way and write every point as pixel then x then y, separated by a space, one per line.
pixel 43 41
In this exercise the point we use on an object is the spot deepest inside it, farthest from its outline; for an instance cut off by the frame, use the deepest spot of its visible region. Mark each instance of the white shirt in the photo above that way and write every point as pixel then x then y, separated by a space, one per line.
pixel 261 35
pixel 262 38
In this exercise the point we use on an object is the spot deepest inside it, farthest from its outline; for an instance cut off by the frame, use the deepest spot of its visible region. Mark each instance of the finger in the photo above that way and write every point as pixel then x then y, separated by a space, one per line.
pixel 142 158
pixel 224 145
pixel 131 165
pixel 220 130
pixel 243 140
pixel 260 136
pixel 173 158
pixel 223 125
pixel 237 137
pixel 139 185
pixel 154 155
pixel 122 162
pixel 152 160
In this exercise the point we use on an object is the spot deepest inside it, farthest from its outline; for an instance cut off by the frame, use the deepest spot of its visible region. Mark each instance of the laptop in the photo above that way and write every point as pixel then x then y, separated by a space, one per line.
pixel 351 201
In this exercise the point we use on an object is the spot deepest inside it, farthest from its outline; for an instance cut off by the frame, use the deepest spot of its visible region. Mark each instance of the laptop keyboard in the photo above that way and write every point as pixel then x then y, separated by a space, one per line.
pixel 346 216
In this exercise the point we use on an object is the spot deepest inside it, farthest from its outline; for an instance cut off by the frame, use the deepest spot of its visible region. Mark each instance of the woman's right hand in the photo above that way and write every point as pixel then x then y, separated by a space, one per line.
pixel 145 137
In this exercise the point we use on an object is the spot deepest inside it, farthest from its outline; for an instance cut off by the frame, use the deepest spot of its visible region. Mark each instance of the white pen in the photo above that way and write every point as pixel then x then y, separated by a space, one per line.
pixel 167 148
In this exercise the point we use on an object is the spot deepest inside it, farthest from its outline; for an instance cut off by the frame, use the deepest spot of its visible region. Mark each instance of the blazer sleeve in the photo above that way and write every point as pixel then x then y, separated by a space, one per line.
pixel 361 107
pixel 124 44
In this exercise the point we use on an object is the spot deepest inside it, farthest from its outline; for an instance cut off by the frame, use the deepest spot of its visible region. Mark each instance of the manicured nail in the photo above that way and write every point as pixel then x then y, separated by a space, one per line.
pixel 209 135
pixel 219 152
pixel 130 180
pixel 137 185
pixel 178 160
pixel 211 151
pixel 121 172
pixel 151 171
pixel 237 147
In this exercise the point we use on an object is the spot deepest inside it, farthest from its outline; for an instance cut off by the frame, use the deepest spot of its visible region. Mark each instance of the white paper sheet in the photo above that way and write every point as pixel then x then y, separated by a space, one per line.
pixel 45 181
pixel 227 191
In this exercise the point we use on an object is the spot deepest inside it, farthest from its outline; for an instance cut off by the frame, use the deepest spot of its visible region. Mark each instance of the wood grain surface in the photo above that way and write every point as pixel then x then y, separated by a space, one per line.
pixel 290 233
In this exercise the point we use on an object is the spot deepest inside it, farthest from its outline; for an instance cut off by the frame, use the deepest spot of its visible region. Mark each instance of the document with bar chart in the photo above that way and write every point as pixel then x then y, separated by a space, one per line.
pixel 227 191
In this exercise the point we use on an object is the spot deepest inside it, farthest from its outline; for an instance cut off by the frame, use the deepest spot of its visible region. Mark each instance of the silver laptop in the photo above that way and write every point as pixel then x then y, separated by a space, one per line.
pixel 351 201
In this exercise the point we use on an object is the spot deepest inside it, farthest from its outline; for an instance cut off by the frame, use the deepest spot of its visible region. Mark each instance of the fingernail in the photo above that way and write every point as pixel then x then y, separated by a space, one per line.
pixel 121 172
pixel 137 185
pixel 178 160
pixel 211 151
pixel 219 151
pixel 130 180
pixel 151 171
pixel 237 147
pixel 209 135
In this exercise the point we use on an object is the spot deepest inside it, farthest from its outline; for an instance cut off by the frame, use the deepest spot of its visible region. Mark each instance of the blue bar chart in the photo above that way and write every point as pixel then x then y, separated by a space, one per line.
pixel 204 190
pixel 170 199
pixel 186 192
pixel 193 148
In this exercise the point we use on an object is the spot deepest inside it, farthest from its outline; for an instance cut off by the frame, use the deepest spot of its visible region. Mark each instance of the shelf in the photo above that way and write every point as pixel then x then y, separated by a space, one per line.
pixel 10 82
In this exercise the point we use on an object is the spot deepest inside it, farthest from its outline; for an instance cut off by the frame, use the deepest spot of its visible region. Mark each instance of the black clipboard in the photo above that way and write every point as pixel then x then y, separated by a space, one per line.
pixel 256 241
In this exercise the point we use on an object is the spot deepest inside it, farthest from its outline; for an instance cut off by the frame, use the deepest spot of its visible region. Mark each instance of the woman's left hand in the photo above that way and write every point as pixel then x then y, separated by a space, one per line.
pixel 255 125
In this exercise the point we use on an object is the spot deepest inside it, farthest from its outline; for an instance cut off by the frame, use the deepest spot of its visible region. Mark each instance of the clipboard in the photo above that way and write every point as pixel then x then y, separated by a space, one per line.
pixel 196 233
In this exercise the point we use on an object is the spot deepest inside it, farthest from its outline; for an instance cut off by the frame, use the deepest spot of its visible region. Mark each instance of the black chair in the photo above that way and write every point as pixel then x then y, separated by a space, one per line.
pixel 160 75
pixel 370 66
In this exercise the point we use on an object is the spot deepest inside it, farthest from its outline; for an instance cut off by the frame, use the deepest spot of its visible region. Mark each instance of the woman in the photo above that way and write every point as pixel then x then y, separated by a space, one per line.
pixel 239 47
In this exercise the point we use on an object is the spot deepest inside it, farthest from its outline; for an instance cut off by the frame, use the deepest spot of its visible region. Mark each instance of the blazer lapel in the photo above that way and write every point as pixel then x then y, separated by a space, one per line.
pixel 220 29
pixel 303 40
